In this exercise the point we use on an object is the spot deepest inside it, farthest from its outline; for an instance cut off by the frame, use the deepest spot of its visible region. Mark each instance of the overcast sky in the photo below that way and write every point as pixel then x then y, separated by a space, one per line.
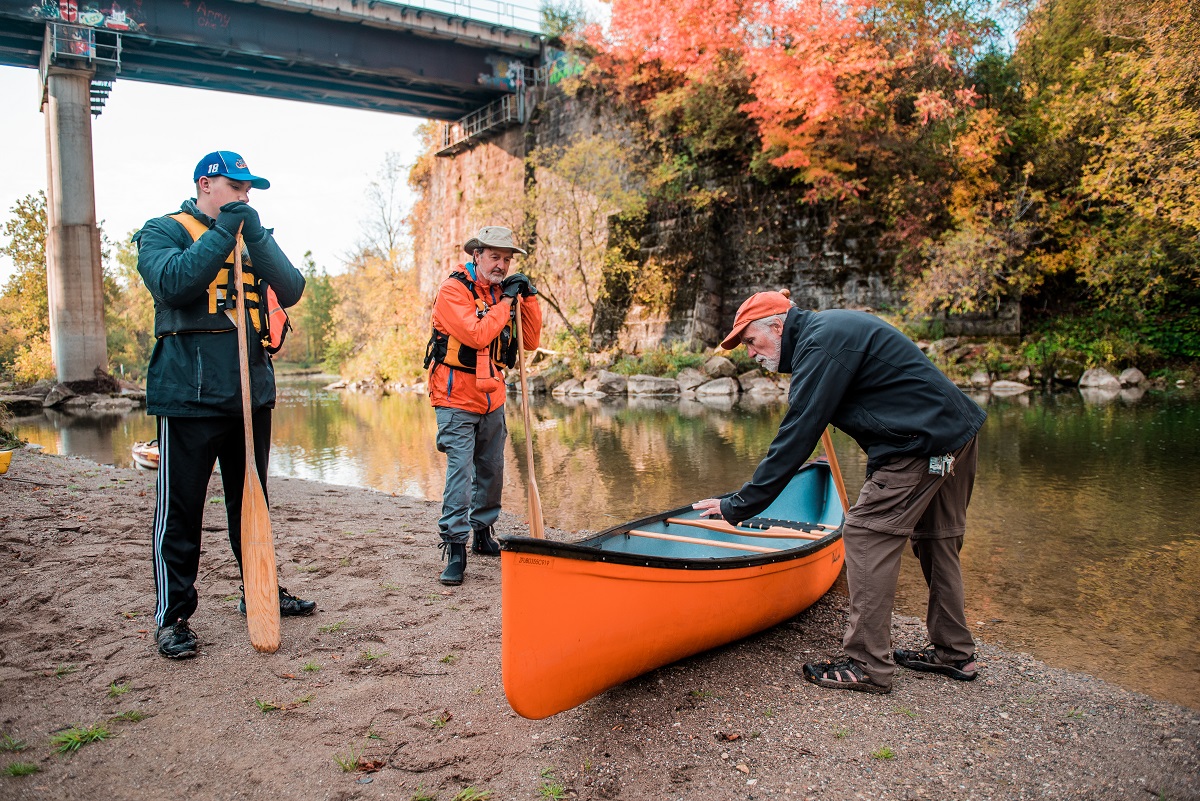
pixel 319 159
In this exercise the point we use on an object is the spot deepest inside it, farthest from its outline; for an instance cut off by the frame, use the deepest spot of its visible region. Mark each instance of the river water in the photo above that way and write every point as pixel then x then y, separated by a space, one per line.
pixel 1083 546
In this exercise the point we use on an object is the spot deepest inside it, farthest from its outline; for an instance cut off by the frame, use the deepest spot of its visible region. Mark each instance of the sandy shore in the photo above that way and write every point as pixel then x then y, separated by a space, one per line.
pixel 397 678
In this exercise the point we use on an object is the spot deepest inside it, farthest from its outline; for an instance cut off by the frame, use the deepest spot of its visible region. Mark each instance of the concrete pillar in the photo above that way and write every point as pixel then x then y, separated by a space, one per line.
pixel 74 272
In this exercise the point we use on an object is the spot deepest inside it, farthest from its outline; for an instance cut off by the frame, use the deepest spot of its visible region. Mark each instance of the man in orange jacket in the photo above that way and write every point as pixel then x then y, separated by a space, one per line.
pixel 474 339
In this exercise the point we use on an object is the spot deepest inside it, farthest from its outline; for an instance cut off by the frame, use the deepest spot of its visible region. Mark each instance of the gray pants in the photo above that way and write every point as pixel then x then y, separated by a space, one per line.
pixel 899 503
pixel 474 448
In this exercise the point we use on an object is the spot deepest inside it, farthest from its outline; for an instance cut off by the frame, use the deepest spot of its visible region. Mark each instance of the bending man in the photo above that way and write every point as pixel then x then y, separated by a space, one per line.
pixel 857 372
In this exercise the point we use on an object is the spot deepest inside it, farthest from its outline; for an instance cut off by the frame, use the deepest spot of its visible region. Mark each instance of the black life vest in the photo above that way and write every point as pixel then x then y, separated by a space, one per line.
pixel 443 348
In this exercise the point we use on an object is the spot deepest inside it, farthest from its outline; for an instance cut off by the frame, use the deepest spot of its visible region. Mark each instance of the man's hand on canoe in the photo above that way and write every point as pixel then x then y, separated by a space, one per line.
pixel 709 507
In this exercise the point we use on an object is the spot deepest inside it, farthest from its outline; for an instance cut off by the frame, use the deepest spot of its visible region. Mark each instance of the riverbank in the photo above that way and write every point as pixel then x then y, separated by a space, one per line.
pixel 399 673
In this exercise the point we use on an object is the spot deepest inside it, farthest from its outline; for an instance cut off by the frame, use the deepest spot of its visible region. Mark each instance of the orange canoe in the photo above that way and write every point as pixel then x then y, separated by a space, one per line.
pixel 579 618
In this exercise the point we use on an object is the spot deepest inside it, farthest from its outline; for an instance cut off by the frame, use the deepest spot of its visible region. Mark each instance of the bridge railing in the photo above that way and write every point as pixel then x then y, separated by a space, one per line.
pixel 522 15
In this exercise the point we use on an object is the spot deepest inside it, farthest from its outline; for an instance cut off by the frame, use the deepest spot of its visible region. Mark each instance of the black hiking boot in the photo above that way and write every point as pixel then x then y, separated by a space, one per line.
pixel 177 641
pixel 456 563
pixel 483 544
pixel 289 605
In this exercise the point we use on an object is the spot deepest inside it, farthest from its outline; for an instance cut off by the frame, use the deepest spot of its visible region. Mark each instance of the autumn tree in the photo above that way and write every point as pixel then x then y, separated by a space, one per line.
pixel 578 188
pixel 24 308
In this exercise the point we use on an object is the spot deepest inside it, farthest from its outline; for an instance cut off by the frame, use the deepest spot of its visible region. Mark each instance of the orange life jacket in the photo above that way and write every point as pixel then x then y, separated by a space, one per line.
pixel 278 323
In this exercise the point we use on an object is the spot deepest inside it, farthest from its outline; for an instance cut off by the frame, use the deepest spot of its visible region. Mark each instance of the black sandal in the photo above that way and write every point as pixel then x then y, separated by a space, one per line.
pixel 927 660
pixel 845 675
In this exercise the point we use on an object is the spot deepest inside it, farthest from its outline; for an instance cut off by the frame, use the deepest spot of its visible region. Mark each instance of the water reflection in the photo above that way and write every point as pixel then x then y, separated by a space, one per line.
pixel 1084 537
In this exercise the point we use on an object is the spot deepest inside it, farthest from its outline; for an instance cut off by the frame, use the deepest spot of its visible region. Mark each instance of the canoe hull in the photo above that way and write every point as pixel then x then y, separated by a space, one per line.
pixel 573 629
pixel 580 618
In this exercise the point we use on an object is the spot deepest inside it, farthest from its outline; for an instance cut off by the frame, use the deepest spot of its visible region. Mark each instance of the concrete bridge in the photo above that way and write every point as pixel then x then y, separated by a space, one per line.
pixel 359 53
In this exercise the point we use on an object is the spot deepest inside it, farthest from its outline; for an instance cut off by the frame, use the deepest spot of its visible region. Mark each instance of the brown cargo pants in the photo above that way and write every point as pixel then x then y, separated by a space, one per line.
pixel 899 503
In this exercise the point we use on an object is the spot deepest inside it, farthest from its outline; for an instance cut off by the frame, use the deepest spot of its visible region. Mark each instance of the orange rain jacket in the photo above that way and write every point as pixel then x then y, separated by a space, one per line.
pixel 454 313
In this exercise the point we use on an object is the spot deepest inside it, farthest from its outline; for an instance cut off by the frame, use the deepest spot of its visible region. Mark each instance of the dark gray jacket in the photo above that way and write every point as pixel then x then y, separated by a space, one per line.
pixel 862 375
pixel 194 367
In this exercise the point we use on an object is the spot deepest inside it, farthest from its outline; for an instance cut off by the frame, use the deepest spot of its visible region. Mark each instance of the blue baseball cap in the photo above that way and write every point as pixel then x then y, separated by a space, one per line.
pixel 231 165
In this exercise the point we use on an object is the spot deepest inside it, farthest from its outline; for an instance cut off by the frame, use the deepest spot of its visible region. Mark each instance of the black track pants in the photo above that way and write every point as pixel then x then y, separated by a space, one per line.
pixel 188 448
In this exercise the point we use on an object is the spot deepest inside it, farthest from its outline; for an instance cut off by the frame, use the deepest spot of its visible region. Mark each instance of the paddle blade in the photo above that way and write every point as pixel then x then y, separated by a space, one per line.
pixel 258 567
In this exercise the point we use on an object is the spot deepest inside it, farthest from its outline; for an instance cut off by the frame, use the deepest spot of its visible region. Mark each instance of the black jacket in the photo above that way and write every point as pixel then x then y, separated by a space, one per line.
pixel 194 373
pixel 862 375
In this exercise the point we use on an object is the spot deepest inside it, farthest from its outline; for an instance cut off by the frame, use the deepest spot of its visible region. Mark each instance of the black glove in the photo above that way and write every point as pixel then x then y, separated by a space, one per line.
pixel 517 283
pixel 240 213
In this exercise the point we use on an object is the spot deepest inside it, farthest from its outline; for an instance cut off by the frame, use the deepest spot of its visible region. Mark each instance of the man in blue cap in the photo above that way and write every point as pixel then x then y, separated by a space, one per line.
pixel 193 383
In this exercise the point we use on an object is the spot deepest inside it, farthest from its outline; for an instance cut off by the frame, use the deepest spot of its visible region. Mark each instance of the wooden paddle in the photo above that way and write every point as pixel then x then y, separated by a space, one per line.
pixel 259 576
pixel 537 527
pixel 827 443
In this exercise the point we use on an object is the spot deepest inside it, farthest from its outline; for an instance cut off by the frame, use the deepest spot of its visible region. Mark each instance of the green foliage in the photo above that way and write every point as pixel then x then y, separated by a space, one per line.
pixel 128 314
pixel 76 737
pixel 12 744
pixel 16 769
pixel 24 308
pixel 312 318
pixel 660 361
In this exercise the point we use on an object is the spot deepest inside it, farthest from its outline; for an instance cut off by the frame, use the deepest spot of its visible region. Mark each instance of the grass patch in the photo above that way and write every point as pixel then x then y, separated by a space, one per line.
pixel 348 762
pixel 422 795
pixel 441 720
pixel 21 769
pixel 841 733
pixel 448 659
pixel 117 690
pixel 903 710
pixel 472 794
pixel 344 561
pixel 552 790
pixel 12 744
pixel 65 670
pixel 883 753
pixel 77 737
pixel 701 694
pixel 371 656
pixel 266 706
pixel 217 499
pixel 311 667
pixel 130 716
pixel 391 587
pixel 331 627
pixel 307 568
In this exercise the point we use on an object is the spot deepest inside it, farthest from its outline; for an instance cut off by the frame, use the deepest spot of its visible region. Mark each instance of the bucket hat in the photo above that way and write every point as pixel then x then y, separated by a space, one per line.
pixel 492 236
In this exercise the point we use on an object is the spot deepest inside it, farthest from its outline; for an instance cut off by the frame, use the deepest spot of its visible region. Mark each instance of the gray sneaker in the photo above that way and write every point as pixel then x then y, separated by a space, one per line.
pixel 177 641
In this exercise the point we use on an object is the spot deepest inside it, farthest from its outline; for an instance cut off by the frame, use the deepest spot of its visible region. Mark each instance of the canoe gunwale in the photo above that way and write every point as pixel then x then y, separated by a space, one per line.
pixel 584 549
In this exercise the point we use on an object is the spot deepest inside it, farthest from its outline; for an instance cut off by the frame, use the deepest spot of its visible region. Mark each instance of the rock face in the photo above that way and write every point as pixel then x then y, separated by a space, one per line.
pixel 57 394
pixel 566 387
pixel 1131 377
pixel 721 387
pixel 980 379
pixel 689 378
pixel 1008 387
pixel 611 383
pixel 652 385
pixel 1099 378
pixel 720 367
